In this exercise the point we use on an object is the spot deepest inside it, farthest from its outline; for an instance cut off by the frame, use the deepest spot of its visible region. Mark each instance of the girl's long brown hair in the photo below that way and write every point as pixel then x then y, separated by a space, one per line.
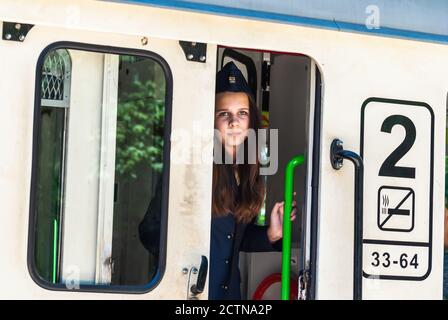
pixel 246 202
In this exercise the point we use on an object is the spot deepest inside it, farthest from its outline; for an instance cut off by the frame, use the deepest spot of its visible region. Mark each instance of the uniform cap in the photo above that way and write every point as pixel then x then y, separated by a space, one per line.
pixel 230 79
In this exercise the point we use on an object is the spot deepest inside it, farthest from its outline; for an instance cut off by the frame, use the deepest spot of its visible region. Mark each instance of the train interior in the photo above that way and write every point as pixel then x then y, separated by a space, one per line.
pixel 283 87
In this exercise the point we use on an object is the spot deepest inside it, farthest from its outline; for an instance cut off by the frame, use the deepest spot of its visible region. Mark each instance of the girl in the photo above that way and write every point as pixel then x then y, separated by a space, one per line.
pixel 238 189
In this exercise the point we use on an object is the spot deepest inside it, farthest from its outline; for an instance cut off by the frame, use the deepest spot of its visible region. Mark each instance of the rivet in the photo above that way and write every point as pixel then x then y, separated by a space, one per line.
pixel 144 41
pixel 202 58
pixel 190 56
pixel 194 270
pixel 8 36
pixel 193 44
pixel 18 26
pixel 21 37
pixel 184 270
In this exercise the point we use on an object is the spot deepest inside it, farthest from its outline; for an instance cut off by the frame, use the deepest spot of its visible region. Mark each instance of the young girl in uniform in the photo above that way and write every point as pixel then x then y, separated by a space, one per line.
pixel 238 189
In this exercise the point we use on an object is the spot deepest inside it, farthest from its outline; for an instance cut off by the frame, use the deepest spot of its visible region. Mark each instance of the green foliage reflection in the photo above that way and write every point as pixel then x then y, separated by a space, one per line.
pixel 140 117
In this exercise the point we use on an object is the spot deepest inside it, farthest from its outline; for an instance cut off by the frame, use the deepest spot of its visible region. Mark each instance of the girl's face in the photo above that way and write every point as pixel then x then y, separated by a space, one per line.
pixel 232 117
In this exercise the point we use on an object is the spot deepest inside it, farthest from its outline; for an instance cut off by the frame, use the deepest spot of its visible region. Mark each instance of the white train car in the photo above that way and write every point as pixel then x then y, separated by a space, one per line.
pixel 107 114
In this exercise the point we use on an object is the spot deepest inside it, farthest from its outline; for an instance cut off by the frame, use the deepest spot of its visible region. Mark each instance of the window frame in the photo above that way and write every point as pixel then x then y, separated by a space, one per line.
pixel 125 289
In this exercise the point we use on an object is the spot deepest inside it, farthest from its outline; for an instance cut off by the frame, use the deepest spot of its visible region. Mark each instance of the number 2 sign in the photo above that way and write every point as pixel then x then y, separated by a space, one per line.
pixel 397 147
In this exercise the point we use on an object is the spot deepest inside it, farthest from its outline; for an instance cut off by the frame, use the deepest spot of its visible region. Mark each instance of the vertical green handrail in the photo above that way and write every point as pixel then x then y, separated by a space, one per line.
pixel 55 249
pixel 286 252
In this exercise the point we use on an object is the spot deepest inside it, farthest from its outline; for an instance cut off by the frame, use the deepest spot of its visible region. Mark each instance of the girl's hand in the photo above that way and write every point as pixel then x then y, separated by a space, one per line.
pixel 275 230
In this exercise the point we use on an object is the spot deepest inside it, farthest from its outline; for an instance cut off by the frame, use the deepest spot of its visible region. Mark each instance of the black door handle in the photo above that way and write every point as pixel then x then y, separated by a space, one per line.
pixel 337 155
pixel 198 288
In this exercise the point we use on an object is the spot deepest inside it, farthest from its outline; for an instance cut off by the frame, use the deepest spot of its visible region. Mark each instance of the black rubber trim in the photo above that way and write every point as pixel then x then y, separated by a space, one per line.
pixel 315 184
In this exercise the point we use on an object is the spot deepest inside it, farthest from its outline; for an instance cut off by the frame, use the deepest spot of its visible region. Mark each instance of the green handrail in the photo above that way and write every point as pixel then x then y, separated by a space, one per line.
pixel 55 249
pixel 286 252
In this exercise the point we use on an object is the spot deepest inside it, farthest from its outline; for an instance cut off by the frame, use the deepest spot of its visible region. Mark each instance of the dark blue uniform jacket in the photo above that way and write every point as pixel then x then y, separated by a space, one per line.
pixel 228 238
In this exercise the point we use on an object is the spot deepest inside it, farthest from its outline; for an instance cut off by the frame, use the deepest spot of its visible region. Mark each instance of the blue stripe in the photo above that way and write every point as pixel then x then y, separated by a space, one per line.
pixel 283 18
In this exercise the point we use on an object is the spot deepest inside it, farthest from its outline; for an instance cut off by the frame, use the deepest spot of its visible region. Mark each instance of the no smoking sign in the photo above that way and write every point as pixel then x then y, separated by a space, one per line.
pixel 397 145
pixel 396 209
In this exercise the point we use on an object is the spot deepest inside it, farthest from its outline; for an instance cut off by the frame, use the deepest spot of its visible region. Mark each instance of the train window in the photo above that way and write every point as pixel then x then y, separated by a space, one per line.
pixel 99 174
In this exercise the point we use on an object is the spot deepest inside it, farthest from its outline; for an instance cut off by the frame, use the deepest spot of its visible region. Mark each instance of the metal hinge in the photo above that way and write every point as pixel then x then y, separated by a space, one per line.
pixel 194 51
pixel 304 280
pixel 14 31
pixel 110 264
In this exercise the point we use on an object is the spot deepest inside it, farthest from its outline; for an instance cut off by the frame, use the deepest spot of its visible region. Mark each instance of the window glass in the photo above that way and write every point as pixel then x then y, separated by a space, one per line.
pixel 49 191
pixel 99 167
pixel 54 103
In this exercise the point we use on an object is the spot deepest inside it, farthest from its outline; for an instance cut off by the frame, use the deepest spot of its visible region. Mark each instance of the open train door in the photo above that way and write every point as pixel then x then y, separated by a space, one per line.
pixel 101 189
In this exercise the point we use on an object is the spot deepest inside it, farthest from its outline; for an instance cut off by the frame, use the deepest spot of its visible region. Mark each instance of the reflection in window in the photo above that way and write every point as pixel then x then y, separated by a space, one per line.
pixel 53 112
pixel 139 164
pixel 98 169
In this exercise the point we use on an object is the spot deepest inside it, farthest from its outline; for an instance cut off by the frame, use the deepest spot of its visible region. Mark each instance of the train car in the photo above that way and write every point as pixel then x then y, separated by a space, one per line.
pixel 107 120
